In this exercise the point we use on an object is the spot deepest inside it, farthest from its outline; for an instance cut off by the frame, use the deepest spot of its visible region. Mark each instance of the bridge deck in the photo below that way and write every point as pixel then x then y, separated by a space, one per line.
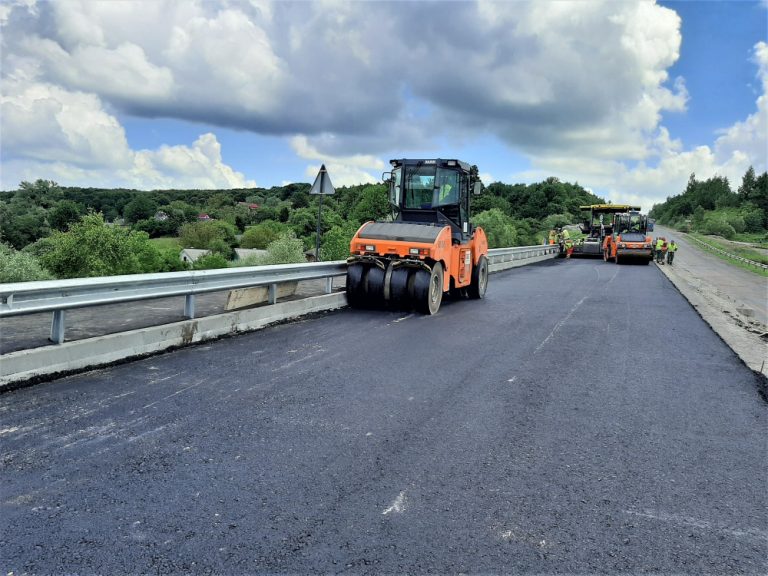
pixel 582 418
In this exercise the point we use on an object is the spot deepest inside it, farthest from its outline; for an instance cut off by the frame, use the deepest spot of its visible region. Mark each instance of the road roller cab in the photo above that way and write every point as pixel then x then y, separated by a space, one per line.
pixel 428 248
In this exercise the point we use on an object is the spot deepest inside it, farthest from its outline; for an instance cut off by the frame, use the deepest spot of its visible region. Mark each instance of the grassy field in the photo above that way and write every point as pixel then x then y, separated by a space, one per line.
pixel 164 243
pixel 743 251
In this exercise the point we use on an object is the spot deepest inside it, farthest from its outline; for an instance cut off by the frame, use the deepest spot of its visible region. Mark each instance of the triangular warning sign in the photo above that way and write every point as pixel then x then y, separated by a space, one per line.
pixel 322 183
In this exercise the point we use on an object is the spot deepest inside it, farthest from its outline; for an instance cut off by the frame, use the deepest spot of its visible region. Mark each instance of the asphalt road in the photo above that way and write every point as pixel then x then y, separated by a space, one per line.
pixel 581 419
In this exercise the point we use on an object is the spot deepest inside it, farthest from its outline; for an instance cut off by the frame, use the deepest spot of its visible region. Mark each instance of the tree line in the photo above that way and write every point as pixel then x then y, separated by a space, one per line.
pixel 50 231
pixel 712 207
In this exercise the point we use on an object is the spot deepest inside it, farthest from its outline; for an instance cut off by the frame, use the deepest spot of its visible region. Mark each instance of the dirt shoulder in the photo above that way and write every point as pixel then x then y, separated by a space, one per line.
pixel 732 301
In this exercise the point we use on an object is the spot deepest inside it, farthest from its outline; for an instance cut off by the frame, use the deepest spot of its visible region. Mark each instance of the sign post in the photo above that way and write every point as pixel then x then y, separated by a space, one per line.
pixel 321 187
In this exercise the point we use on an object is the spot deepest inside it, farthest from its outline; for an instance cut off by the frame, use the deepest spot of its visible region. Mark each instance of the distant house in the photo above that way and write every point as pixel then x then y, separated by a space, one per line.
pixel 161 216
pixel 249 205
pixel 204 217
pixel 243 253
pixel 192 254
pixel 310 255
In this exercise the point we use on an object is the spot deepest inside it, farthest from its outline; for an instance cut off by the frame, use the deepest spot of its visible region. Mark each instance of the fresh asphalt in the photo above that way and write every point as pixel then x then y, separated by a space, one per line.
pixel 580 419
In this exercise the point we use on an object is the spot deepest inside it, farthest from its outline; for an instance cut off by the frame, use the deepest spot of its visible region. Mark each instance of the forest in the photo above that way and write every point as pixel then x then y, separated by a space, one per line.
pixel 712 207
pixel 49 231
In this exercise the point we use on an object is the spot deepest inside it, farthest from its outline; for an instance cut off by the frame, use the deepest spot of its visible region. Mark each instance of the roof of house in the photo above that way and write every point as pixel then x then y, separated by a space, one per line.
pixel 241 253
pixel 192 254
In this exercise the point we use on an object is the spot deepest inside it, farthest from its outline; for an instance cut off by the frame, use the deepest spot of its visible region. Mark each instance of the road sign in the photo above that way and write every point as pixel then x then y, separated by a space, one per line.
pixel 322 183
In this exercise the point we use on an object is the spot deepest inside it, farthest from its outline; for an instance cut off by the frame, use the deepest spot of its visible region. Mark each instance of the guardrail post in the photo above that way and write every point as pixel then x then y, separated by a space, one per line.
pixel 329 285
pixel 189 306
pixel 272 293
pixel 57 327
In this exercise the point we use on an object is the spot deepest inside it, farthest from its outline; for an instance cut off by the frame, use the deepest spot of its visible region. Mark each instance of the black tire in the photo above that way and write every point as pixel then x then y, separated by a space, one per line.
pixel 374 287
pixel 479 283
pixel 354 288
pixel 428 290
pixel 398 288
pixel 647 261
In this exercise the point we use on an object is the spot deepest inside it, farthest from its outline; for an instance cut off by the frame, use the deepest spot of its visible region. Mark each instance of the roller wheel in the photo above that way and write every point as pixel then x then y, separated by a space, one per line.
pixel 428 289
pixel 647 261
pixel 355 276
pixel 479 279
pixel 374 287
pixel 398 288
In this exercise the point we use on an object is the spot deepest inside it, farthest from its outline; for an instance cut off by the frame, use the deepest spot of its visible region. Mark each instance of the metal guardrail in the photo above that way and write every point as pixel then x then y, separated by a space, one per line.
pixel 728 254
pixel 57 296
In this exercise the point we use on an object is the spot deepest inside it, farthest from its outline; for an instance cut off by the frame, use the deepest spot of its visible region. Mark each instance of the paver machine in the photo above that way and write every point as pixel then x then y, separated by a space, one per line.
pixel 428 248
pixel 629 238
pixel 596 227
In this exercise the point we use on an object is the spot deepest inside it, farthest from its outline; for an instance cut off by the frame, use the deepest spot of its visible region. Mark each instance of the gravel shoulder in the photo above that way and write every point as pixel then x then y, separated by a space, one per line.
pixel 731 300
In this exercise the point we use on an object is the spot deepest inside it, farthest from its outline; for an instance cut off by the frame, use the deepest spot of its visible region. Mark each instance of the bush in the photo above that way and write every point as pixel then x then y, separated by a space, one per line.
pixel 719 227
pixel 261 235
pixel 210 262
pixel 753 220
pixel 287 249
pixel 20 266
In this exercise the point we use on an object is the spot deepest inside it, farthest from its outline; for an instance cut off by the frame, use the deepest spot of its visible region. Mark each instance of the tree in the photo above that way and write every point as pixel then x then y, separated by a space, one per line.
pixel 140 208
pixel 64 213
pixel 201 234
pixel 498 227
pixel 261 235
pixel 372 204
pixel 336 241
pixel 748 186
pixel 20 266
pixel 92 248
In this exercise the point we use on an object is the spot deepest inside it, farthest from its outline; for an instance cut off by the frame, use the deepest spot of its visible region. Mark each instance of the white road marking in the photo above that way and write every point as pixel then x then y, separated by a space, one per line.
pixel 756 533
pixel 401 319
pixel 512 379
pixel 398 505
pixel 559 324
pixel 8 430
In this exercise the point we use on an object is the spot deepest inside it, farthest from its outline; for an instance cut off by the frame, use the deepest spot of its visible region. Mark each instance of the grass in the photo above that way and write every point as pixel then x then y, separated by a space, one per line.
pixel 759 239
pixel 166 243
pixel 744 252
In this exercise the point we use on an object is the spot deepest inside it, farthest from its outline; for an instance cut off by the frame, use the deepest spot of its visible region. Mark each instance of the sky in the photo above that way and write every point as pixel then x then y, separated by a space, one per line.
pixel 627 98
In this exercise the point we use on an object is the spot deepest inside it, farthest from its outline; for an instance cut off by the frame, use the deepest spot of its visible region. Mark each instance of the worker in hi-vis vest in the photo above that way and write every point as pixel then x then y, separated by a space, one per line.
pixel 659 253
pixel 671 249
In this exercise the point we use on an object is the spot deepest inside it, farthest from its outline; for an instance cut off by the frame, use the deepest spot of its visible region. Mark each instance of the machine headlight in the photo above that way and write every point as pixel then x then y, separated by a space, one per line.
pixel 622 245
pixel 414 251
pixel 370 248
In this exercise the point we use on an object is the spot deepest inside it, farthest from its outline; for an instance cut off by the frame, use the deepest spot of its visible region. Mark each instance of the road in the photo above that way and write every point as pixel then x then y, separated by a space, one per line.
pixel 731 285
pixel 581 419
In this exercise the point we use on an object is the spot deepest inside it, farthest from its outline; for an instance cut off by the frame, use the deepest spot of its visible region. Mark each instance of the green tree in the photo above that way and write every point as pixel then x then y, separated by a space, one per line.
pixel 141 207
pixel 92 248
pixel 20 266
pixel 260 235
pixel 372 204
pixel 335 245
pixel 64 213
pixel 498 227
pixel 201 234
pixel 210 262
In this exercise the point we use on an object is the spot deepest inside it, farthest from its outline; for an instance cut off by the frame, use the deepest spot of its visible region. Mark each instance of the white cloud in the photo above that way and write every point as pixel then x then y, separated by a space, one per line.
pixel 343 170
pixel 578 88
pixel 69 137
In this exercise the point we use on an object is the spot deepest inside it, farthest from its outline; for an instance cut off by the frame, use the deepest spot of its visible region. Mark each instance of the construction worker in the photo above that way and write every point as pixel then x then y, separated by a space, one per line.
pixel 659 255
pixel 568 245
pixel 445 192
pixel 553 236
pixel 671 249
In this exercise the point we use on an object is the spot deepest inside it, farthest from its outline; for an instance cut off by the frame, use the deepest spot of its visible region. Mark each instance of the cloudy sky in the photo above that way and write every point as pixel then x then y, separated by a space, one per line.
pixel 627 98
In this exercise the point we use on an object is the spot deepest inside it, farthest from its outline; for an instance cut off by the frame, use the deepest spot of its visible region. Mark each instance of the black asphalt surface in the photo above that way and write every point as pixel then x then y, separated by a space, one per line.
pixel 581 419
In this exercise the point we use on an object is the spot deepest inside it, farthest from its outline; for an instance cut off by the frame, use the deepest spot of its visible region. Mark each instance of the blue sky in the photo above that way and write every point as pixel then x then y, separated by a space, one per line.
pixel 627 98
